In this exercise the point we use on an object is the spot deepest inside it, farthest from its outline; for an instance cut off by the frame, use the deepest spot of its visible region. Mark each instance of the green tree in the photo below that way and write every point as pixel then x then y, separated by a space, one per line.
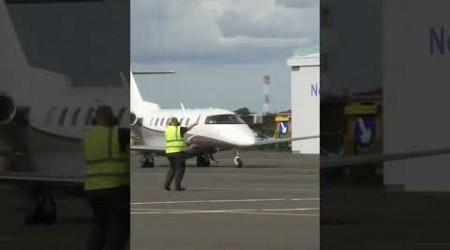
pixel 243 111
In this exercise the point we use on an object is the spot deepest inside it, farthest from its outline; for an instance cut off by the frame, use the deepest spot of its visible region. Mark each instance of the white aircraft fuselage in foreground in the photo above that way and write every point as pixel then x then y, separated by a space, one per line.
pixel 42 121
pixel 217 130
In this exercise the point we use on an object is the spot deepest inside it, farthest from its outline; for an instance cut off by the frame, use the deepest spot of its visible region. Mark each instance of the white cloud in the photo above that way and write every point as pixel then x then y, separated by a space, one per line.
pixel 298 3
pixel 213 28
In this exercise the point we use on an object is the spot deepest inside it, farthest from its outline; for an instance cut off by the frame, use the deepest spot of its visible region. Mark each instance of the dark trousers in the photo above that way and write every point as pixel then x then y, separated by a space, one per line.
pixel 177 168
pixel 111 208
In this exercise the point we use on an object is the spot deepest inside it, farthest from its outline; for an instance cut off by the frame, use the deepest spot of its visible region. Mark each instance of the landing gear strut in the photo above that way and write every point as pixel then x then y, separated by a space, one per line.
pixel 148 162
pixel 203 161
pixel 42 210
pixel 237 160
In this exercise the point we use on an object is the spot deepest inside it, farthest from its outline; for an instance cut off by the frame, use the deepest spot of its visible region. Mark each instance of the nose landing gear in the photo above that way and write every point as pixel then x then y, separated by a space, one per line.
pixel 237 160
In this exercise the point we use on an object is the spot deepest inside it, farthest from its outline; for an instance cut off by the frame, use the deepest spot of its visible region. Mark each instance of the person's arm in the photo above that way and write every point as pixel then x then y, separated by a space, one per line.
pixel 124 142
pixel 124 139
pixel 193 125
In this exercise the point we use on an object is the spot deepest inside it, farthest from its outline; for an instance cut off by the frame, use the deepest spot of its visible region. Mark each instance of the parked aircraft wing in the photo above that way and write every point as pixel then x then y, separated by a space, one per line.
pixel 341 161
pixel 49 180
pixel 147 148
pixel 283 140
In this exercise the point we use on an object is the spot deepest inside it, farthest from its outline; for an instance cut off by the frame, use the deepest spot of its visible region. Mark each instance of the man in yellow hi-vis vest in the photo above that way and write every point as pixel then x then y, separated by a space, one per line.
pixel 107 181
pixel 175 152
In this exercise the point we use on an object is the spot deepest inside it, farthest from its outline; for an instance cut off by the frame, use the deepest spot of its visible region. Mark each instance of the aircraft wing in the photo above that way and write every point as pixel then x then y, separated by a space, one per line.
pixel 329 162
pixel 197 142
pixel 48 180
pixel 283 140
pixel 147 148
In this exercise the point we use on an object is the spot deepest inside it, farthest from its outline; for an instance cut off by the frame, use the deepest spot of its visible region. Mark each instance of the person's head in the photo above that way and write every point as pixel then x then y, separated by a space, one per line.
pixel 104 116
pixel 174 122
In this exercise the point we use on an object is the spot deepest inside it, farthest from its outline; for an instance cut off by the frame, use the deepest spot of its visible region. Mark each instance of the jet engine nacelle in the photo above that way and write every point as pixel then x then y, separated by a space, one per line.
pixel 134 120
pixel 7 108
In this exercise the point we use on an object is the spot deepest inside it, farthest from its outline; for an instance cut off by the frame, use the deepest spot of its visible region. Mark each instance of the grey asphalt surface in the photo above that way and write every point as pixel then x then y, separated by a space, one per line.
pixel 70 232
pixel 364 217
pixel 270 203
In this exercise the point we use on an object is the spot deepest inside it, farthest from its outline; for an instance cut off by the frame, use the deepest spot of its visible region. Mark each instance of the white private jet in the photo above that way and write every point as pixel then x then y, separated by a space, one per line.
pixel 42 121
pixel 217 130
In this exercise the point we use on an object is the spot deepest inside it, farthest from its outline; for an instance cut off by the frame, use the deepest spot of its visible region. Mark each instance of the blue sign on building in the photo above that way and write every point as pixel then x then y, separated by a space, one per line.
pixel 365 131
pixel 284 128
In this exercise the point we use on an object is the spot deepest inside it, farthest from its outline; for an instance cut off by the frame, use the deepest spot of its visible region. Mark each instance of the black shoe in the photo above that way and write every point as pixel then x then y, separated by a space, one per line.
pixel 180 189
pixel 167 188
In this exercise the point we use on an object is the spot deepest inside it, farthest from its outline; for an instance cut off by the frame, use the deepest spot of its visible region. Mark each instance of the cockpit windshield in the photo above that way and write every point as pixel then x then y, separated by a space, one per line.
pixel 224 119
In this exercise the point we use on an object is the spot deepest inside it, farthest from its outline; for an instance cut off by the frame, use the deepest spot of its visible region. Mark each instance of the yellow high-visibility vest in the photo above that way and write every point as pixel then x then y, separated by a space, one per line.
pixel 175 143
pixel 106 166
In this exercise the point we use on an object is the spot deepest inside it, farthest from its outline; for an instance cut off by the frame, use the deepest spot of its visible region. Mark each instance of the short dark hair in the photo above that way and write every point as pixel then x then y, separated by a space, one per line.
pixel 108 112
pixel 174 121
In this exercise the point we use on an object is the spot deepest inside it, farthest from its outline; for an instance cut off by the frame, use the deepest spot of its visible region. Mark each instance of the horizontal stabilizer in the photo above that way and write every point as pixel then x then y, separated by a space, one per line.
pixel 154 72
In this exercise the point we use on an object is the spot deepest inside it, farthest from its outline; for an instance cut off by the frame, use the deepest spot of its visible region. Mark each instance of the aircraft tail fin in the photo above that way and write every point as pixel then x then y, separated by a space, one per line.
pixel 11 53
pixel 137 103
pixel 19 78
pixel 135 96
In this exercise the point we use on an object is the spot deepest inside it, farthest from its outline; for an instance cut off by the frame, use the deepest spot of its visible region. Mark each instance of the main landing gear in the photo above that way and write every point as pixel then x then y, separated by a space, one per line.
pixel 203 161
pixel 42 209
pixel 148 162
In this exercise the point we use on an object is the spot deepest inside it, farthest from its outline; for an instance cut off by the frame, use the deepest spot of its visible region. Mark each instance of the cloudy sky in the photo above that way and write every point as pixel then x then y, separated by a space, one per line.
pixel 220 49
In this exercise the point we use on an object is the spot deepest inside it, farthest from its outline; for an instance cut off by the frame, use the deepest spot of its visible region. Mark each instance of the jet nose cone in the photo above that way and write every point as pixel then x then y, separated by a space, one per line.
pixel 247 139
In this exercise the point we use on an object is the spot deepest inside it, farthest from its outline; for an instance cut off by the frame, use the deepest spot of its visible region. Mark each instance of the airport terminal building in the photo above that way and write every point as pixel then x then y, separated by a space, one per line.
pixel 305 100
pixel 370 51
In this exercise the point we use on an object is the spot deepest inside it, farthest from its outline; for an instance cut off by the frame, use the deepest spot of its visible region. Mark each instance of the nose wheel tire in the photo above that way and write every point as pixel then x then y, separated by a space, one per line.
pixel 238 162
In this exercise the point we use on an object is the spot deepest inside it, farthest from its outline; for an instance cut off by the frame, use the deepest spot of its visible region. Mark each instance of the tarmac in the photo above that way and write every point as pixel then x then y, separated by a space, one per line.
pixel 70 232
pixel 270 203
pixel 372 217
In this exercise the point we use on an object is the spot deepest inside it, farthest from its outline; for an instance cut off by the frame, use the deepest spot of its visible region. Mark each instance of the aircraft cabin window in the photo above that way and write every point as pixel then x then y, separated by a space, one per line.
pixel 62 117
pixel 156 122
pixel 187 122
pixel 162 122
pixel 224 119
pixel 151 121
pixel 50 115
pixel 181 121
pixel 88 117
pixel 75 116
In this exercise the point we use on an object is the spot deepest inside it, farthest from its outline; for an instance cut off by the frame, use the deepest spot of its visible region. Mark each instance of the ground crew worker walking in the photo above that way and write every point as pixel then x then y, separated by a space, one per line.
pixel 107 181
pixel 175 151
